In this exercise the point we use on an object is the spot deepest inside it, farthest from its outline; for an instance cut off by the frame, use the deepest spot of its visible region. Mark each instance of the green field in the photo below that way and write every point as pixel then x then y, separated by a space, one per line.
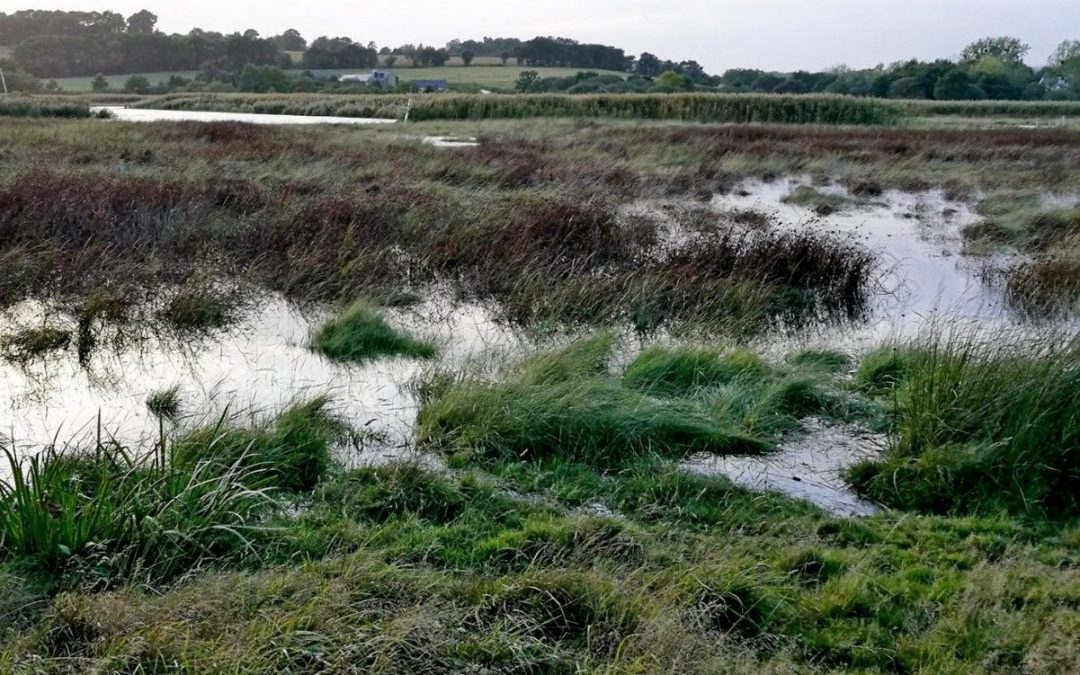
pixel 116 82
pixel 485 76
pixel 499 77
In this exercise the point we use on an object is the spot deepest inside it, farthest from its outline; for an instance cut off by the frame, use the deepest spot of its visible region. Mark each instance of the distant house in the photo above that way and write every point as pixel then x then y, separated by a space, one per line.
pixel 376 78
pixel 430 85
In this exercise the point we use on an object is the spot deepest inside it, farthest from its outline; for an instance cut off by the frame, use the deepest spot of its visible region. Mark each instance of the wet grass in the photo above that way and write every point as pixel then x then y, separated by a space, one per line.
pixel 361 333
pixel 532 224
pixel 292 453
pixel 821 203
pixel 563 536
pixel 1047 282
pixel 979 428
pixel 33 343
pixel 165 403
pixel 409 570
pixel 566 404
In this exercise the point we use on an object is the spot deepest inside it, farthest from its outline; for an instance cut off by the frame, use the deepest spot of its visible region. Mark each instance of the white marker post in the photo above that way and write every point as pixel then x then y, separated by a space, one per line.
pixel 3 81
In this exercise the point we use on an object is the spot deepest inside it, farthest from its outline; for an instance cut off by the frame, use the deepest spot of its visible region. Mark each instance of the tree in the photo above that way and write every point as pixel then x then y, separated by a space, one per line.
pixel 1009 49
pixel 648 65
pixel 142 22
pixel 671 81
pixel 1067 50
pixel 18 79
pixel 527 80
pixel 908 87
pixel 291 41
pixel 339 52
pixel 262 79
pixel 99 83
pixel 467 56
pixel 389 61
pixel 137 84
pixel 505 56
pixel 956 85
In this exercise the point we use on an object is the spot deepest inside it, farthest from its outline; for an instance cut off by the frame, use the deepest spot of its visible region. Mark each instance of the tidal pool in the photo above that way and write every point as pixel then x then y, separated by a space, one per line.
pixel 263 363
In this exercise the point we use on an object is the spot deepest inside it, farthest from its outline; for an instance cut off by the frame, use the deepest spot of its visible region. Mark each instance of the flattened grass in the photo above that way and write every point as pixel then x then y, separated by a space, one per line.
pixel 361 333
pixel 567 404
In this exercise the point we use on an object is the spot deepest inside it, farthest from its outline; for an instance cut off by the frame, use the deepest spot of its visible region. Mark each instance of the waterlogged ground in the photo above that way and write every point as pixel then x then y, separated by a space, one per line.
pixel 254 368
pixel 263 362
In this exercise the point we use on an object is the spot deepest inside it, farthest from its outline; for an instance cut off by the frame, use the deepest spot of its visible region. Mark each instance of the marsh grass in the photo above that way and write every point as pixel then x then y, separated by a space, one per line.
pixel 666 402
pixel 361 333
pixel 820 202
pixel 102 518
pixel 736 108
pixel 979 428
pixel 201 306
pixel 17 107
pixel 165 403
pixel 33 343
pixel 292 452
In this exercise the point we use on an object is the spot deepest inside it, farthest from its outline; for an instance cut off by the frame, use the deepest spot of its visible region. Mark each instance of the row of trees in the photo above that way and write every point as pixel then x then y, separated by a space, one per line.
pixel 990 68
pixel 63 44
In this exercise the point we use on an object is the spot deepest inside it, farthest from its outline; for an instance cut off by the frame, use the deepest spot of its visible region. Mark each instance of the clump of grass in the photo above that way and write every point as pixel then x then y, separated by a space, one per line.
pixel 568 409
pixel 823 359
pixel 200 307
pixel 99 518
pixel 361 333
pixel 567 404
pixel 19 107
pixel 979 429
pixel 164 403
pixel 31 343
pixel 292 452
pixel 821 203
pixel 680 371
pixel 380 493
pixel 1022 222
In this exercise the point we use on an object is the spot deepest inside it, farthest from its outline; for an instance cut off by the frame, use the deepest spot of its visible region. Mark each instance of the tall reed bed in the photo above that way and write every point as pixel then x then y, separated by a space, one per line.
pixel 1033 109
pixel 22 107
pixel 736 108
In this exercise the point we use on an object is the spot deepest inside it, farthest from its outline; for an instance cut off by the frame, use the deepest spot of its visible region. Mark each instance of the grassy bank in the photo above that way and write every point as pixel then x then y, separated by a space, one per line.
pixel 540 563
pixel 736 108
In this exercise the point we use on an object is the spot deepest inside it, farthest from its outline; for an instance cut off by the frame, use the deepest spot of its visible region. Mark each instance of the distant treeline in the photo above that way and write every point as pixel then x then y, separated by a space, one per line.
pixel 53 44
pixel 991 68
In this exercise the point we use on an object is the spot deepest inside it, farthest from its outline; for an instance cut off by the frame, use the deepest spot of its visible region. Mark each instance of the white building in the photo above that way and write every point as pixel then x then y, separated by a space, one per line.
pixel 377 78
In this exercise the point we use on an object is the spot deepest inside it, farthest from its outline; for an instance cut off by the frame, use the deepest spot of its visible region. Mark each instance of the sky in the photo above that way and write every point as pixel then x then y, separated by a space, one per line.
pixel 720 34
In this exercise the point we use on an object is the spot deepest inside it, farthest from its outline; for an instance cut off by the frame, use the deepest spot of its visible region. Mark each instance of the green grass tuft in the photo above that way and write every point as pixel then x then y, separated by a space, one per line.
pixel 978 429
pixel 164 403
pixel 681 371
pixel 293 452
pixel 31 343
pixel 567 404
pixel 361 333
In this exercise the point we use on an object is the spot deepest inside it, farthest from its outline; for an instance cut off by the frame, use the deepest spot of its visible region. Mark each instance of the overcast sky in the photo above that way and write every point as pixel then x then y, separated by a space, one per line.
pixel 721 34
